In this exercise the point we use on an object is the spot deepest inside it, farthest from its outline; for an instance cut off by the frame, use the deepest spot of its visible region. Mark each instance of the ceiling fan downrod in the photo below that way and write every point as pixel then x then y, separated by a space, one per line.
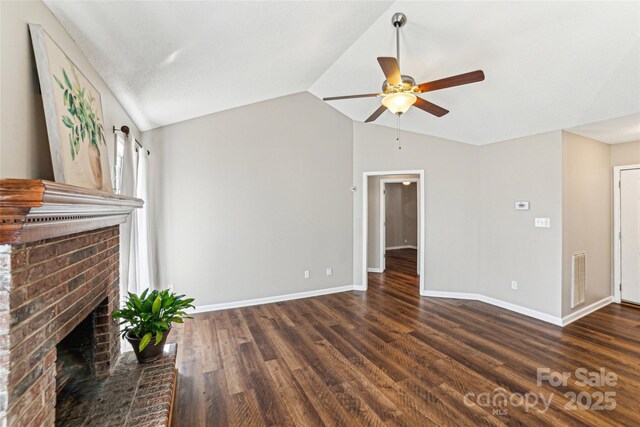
pixel 398 20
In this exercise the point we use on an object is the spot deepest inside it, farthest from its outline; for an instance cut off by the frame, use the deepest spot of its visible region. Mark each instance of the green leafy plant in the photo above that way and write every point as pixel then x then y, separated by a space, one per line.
pixel 82 121
pixel 151 314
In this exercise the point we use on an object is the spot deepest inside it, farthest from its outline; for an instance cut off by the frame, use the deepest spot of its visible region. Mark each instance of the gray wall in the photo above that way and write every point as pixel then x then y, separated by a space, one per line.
pixel 451 176
pixel 586 216
pixel 510 247
pixel 24 145
pixel 401 215
pixel 249 198
pixel 373 224
pixel 625 154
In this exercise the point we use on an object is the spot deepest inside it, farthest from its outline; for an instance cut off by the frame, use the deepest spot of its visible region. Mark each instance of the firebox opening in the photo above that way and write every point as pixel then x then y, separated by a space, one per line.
pixel 76 382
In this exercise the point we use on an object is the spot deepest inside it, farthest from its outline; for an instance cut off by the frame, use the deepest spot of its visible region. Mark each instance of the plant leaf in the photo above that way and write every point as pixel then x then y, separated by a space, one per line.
pixel 66 79
pixel 58 81
pixel 145 341
pixel 73 153
pixel 157 304
pixel 159 335
pixel 67 122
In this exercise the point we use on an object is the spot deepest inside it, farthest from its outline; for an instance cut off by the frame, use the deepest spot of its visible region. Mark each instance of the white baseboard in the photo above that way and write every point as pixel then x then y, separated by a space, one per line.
pixel 497 302
pixel 445 294
pixel 390 248
pixel 375 270
pixel 586 310
pixel 523 310
pixel 267 300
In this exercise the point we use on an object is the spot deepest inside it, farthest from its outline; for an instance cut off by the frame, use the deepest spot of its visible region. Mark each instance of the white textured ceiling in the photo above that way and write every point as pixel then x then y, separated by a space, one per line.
pixel 168 61
pixel 548 65
pixel 612 131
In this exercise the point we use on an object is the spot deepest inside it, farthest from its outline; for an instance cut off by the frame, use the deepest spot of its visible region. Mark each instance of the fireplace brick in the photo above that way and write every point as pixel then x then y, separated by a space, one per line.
pixel 47 288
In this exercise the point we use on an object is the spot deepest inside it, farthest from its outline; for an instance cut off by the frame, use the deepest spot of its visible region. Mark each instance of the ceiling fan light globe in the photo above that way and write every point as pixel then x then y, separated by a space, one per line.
pixel 399 103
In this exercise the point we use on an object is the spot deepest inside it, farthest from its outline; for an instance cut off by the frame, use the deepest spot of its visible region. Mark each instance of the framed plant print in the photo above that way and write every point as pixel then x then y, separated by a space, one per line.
pixel 73 112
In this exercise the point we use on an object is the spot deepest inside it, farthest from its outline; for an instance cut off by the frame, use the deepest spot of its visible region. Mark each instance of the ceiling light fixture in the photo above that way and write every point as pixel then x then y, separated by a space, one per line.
pixel 398 103
pixel 406 183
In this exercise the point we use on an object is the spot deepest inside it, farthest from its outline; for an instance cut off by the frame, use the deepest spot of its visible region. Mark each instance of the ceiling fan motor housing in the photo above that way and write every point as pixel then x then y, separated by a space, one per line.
pixel 408 84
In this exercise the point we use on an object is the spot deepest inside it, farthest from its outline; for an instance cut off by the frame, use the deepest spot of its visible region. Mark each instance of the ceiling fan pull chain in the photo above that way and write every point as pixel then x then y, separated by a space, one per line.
pixel 398 135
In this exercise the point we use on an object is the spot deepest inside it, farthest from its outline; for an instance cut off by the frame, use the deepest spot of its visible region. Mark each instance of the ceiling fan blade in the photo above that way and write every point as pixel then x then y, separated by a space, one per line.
pixel 460 79
pixel 376 114
pixel 390 68
pixel 364 95
pixel 429 107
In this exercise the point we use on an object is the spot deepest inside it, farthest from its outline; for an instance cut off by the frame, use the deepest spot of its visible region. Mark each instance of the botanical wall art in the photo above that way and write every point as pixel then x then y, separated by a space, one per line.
pixel 73 112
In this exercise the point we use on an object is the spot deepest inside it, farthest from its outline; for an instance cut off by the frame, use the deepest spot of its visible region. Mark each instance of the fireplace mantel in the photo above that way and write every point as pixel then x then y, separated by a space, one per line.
pixel 36 209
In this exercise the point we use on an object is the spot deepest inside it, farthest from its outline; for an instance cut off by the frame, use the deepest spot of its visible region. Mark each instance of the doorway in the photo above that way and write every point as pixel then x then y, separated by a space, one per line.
pixel 398 220
pixel 627 234
pixel 373 225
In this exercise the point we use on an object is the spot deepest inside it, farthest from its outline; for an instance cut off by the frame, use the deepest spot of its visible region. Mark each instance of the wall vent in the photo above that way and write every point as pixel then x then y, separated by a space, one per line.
pixel 578 278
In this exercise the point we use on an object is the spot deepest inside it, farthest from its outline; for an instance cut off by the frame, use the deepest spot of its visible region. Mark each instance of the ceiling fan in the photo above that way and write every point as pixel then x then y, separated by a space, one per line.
pixel 399 91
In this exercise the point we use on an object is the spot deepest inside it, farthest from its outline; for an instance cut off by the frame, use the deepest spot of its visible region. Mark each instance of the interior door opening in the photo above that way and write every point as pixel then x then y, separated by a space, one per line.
pixel 393 225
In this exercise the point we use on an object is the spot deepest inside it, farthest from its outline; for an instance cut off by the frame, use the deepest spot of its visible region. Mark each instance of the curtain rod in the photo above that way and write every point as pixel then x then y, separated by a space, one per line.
pixel 125 129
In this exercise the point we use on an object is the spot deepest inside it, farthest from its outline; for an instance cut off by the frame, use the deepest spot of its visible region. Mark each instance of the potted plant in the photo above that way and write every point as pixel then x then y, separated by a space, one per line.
pixel 148 318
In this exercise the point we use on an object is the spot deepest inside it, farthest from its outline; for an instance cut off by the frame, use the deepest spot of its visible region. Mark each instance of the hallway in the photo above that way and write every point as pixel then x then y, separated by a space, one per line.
pixel 400 272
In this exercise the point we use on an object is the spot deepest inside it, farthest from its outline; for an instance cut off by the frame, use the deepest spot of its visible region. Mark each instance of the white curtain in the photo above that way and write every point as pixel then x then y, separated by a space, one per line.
pixel 140 275
pixel 134 256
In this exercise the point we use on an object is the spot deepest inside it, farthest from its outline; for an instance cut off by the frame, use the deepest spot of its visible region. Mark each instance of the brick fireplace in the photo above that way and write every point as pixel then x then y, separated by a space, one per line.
pixel 59 284
pixel 52 286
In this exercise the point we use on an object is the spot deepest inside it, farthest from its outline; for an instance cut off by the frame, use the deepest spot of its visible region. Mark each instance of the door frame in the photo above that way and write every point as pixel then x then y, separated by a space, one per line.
pixel 365 222
pixel 617 243
pixel 382 211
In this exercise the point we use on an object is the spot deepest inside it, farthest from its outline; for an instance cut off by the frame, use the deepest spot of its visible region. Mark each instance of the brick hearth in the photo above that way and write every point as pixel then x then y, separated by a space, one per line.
pixel 47 288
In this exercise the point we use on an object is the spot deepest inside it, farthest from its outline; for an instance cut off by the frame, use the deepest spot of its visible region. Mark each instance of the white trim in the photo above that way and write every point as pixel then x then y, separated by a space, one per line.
pixel 365 222
pixel 268 300
pixel 617 273
pixel 586 310
pixel 564 321
pixel 392 248
pixel 523 310
pixel 499 303
pixel 375 270
pixel 447 294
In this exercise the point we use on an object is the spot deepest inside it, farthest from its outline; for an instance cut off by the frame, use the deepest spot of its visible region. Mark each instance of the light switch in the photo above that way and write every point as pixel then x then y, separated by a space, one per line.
pixel 543 222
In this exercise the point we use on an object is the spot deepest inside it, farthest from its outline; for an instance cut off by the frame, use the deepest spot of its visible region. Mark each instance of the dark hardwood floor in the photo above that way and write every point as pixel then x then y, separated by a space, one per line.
pixel 388 356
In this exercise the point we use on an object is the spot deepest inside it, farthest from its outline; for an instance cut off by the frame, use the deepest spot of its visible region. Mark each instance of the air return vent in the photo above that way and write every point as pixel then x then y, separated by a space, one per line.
pixel 578 278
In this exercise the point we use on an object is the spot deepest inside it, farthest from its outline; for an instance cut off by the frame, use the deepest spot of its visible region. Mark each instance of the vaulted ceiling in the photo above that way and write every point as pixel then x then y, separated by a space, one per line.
pixel 548 65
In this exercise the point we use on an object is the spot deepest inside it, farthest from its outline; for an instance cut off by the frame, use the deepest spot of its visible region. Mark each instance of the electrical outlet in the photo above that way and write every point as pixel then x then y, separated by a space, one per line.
pixel 514 284
pixel 306 274
pixel 329 271
pixel 542 222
